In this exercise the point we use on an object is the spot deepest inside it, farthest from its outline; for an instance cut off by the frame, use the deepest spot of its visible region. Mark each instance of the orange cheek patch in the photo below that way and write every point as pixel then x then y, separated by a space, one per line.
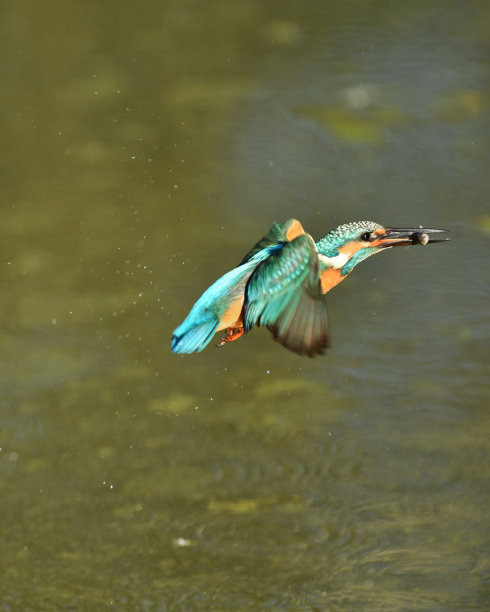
pixel 294 230
pixel 350 248
pixel 330 278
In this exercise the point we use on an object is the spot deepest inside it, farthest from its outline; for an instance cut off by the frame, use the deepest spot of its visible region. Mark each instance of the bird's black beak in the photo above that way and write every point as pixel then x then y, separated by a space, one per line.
pixel 406 236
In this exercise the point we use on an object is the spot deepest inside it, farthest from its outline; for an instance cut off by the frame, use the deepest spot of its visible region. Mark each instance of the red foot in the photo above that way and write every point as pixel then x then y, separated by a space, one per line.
pixel 232 334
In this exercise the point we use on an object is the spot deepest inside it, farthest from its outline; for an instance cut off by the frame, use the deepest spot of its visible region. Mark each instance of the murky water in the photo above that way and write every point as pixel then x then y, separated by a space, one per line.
pixel 144 149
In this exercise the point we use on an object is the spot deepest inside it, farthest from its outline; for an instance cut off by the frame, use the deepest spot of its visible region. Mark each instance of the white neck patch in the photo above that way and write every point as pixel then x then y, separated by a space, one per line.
pixel 336 262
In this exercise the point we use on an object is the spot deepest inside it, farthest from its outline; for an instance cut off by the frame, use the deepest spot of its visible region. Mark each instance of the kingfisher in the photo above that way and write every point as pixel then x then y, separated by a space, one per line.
pixel 281 284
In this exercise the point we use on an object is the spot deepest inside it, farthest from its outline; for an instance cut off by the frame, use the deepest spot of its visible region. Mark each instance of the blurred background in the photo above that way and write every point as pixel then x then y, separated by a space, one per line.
pixel 145 147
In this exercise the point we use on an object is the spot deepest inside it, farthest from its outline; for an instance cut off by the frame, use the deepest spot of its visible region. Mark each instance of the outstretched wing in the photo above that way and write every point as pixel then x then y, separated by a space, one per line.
pixel 278 233
pixel 284 293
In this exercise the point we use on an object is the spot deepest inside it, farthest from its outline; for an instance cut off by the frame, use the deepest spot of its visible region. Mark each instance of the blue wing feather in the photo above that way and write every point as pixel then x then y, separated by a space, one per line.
pixel 284 294
pixel 193 338
pixel 202 322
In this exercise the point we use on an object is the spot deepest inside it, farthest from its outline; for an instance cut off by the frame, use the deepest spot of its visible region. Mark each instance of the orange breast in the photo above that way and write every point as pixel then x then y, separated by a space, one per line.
pixel 330 278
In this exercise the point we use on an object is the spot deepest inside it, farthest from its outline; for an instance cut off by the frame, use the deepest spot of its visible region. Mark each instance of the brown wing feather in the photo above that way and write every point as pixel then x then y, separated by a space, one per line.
pixel 302 326
pixel 303 330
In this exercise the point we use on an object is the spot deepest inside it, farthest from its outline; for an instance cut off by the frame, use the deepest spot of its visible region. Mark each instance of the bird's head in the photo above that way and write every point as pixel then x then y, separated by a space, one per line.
pixel 347 245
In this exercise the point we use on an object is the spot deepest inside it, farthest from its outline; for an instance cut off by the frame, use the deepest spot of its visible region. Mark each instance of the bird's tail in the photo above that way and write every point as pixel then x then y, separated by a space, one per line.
pixel 190 338
pixel 200 325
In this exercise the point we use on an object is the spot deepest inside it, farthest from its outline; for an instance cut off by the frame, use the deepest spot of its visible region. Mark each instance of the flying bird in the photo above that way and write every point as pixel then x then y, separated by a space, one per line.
pixel 281 284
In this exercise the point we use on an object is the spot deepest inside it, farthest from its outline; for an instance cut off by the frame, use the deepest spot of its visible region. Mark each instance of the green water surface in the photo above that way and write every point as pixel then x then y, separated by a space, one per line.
pixel 145 148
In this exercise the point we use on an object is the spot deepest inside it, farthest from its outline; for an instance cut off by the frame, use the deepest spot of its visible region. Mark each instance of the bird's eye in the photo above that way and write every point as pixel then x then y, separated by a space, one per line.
pixel 366 236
